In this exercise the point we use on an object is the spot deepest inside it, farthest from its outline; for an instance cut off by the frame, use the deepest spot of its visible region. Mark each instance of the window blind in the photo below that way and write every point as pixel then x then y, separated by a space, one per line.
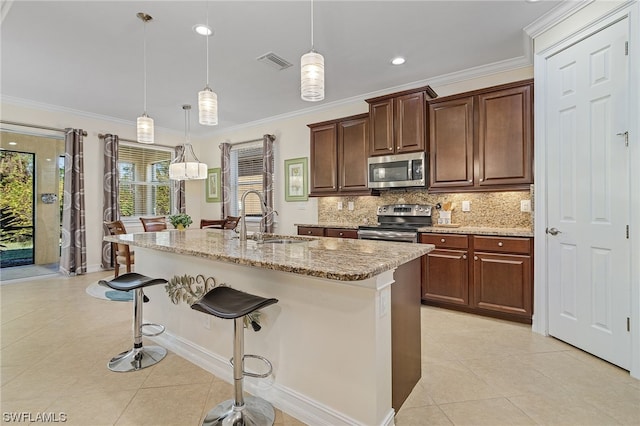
pixel 143 174
pixel 246 174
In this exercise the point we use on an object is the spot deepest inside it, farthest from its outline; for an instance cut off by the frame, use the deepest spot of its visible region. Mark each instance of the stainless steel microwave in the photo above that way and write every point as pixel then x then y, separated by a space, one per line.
pixel 397 171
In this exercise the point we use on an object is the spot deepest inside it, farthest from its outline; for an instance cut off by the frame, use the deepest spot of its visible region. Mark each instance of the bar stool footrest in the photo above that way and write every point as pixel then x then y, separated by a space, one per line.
pixel 256 375
pixel 150 324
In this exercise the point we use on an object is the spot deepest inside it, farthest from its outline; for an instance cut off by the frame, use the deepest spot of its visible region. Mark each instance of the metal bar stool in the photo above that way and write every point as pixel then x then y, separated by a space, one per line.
pixel 227 303
pixel 138 357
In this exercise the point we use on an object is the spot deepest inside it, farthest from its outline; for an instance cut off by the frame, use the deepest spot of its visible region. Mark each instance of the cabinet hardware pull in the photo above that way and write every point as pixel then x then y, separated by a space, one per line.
pixel 442 240
pixel 475 257
pixel 341 234
pixel 464 256
pixel 500 244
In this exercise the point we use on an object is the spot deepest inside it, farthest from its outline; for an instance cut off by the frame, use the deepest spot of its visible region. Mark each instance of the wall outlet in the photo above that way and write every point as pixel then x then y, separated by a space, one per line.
pixel 339 205
pixel 466 206
pixel 525 206
pixel 350 206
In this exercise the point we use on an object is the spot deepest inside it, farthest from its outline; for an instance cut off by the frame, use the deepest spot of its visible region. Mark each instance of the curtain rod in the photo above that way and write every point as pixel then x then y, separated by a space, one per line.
pixel 35 126
pixel 101 136
pixel 273 138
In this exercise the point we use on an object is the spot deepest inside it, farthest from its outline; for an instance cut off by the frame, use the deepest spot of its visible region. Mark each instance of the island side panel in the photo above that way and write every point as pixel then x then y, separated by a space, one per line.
pixel 405 331
pixel 329 341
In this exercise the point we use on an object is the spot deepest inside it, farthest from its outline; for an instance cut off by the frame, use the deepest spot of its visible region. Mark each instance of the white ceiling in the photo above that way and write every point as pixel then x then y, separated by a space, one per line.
pixel 87 55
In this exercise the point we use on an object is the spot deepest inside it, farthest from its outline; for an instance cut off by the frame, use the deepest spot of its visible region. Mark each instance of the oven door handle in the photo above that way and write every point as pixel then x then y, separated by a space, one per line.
pixel 408 237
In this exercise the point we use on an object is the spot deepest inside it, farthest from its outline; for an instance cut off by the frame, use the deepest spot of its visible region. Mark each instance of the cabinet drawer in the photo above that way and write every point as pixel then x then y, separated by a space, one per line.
pixel 311 230
pixel 445 240
pixel 502 244
pixel 341 233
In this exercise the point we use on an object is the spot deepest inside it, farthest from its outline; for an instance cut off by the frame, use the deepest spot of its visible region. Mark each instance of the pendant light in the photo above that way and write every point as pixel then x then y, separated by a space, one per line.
pixel 312 72
pixel 144 122
pixel 187 166
pixel 207 98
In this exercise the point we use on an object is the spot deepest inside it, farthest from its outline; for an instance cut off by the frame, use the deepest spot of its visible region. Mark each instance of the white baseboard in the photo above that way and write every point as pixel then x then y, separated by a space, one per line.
pixel 293 403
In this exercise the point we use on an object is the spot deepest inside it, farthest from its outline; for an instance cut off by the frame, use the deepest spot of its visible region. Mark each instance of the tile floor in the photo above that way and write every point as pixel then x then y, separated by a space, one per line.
pixel 56 340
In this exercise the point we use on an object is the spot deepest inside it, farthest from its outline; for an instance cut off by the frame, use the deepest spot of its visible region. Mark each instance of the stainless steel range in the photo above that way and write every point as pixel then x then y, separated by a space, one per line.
pixel 397 222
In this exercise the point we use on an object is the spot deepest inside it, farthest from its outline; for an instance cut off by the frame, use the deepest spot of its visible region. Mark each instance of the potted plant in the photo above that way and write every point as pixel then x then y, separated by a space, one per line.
pixel 180 221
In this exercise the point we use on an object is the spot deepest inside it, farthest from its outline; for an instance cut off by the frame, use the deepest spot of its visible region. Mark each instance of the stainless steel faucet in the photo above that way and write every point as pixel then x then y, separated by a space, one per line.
pixel 243 223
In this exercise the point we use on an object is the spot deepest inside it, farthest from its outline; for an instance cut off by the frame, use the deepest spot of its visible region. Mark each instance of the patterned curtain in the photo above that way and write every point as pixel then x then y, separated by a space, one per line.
pixel 110 185
pixel 226 178
pixel 73 257
pixel 267 180
pixel 177 186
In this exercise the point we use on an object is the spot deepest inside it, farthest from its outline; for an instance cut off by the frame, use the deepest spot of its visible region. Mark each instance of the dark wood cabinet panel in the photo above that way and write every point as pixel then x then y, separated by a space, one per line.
pixel 339 150
pixel 353 149
pixel 502 283
pixel 451 143
pixel 341 233
pixel 324 159
pixel 482 140
pixel 382 139
pixel 505 137
pixel 446 277
pixel 409 114
pixel 487 275
pixel 397 123
pixel 311 230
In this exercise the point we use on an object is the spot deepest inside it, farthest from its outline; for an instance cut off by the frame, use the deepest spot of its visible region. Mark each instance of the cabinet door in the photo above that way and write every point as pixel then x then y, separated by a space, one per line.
pixel 505 137
pixel 353 150
pixel 445 276
pixel 409 115
pixel 451 143
pixel 502 282
pixel 324 159
pixel 382 135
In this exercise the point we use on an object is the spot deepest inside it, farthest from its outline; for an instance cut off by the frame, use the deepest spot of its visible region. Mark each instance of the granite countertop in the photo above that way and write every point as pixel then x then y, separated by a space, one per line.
pixel 331 258
pixel 475 230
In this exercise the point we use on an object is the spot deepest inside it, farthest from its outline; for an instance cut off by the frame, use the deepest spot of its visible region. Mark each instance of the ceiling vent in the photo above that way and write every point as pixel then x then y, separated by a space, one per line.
pixel 274 61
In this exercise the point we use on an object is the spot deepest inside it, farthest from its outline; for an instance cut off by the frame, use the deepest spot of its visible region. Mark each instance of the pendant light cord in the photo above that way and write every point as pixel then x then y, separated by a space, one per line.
pixel 144 66
pixel 312 47
pixel 207 43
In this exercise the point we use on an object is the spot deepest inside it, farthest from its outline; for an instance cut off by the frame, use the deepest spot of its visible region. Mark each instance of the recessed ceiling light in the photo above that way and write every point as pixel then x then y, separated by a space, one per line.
pixel 398 61
pixel 13 143
pixel 203 30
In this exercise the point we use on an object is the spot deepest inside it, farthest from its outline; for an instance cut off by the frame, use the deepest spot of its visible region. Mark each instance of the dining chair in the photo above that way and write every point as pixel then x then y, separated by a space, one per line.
pixel 154 224
pixel 230 222
pixel 122 254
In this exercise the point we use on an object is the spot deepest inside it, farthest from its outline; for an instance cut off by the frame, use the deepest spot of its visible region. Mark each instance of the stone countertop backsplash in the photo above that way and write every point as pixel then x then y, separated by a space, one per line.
pixel 488 209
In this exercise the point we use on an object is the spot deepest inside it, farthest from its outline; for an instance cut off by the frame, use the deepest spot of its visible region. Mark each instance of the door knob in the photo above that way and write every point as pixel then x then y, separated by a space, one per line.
pixel 552 231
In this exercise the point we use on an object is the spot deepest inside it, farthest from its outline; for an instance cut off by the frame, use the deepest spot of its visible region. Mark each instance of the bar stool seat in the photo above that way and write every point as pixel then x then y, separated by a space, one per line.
pixel 228 303
pixel 139 356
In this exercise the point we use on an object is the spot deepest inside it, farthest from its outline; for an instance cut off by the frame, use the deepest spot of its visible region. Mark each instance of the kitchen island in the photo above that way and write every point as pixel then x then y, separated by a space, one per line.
pixel 344 338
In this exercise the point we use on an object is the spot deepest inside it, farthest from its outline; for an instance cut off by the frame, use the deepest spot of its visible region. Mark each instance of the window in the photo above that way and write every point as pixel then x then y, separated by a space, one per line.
pixel 246 173
pixel 143 174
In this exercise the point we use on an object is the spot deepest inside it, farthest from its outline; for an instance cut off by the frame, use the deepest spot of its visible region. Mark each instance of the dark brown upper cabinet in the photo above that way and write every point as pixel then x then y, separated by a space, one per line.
pixel 397 123
pixel 339 151
pixel 482 140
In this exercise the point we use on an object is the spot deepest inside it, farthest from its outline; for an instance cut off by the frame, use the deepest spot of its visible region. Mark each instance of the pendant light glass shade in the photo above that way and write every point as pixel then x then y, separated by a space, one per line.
pixel 312 77
pixel 208 107
pixel 187 166
pixel 144 123
pixel 145 129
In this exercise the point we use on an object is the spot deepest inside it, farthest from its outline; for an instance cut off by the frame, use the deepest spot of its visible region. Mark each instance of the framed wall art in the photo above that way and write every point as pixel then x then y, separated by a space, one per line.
pixel 296 182
pixel 214 191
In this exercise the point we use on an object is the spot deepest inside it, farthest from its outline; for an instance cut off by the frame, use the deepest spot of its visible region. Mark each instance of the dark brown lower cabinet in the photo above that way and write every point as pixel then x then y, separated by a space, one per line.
pixel 498 282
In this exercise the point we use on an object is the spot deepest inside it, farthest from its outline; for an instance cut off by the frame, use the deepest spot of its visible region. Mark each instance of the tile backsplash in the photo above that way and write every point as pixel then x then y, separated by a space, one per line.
pixel 488 209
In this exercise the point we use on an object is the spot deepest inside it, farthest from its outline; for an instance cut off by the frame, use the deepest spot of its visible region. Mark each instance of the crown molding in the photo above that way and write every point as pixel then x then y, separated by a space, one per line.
pixel 554 16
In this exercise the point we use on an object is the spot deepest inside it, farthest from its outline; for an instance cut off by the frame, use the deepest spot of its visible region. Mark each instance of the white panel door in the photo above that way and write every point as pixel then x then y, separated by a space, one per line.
pixel 588 195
